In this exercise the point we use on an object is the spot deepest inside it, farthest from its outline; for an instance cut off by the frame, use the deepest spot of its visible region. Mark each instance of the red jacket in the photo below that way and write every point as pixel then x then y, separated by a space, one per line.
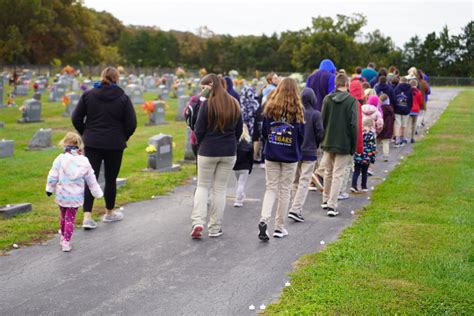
pixel 355 89
pixel 417 100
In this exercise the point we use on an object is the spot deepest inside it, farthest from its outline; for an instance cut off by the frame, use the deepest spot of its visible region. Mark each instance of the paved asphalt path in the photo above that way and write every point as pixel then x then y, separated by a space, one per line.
pixel 148 264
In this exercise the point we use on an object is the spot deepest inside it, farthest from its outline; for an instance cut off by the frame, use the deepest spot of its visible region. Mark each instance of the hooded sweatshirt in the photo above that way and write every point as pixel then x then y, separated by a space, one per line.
pixel 340 121
pixel 385 88
pixel 403 99
pixel 322 81
pixel 313 132
pixel 388 119
pixel 230 88
pixel 105 118
pixel 249 107
pixel 370 110
pixel 282 140
pixel 67 177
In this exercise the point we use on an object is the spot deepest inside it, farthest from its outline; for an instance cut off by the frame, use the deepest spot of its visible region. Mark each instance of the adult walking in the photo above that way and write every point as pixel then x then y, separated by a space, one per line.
pixel 106 119
pixel 218 128
pixel 340 121
pixel 322 81
pixel 369 72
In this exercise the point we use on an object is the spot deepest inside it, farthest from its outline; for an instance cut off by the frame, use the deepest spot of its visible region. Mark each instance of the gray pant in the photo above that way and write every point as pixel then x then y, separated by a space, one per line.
pixel 213 173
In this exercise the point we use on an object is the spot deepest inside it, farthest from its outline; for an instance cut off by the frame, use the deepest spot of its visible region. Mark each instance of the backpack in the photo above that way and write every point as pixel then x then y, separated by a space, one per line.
pixel 191 111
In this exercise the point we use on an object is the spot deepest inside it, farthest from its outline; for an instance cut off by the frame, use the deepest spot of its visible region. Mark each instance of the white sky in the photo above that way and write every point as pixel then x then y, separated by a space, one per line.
pixel 398 19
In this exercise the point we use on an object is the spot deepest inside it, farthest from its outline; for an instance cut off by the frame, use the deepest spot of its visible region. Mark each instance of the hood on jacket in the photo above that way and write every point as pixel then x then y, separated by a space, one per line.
pixel 355 89
pixel 373 100
pixel 308 98
pixel 369 109
pixel 107 93
pixel 339 96
pixel 327 65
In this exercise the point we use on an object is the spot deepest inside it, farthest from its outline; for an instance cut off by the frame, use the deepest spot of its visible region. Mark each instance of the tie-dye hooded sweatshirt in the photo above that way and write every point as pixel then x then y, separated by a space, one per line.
pixel 67 178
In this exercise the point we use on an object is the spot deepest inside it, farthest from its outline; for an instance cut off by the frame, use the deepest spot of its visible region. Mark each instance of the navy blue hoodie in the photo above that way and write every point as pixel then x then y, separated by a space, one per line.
pixel 387 89
pixel 322 81
pixel 403 99
pixel 282 140
pixel 313 128
pixel 230 88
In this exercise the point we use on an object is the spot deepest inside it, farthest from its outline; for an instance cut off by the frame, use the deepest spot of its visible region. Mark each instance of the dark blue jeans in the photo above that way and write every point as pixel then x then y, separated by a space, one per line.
pixel 358 169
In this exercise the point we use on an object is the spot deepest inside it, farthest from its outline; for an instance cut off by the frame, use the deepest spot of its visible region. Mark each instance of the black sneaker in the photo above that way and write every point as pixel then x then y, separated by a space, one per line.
pixel 412 141
pixel 332 212
pixel 296 217
pixel 262 235
pixel 216 234
pixel 324 205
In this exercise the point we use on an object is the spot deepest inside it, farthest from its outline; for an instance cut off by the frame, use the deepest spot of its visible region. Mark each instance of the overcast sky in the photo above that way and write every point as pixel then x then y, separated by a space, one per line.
pixel 397 19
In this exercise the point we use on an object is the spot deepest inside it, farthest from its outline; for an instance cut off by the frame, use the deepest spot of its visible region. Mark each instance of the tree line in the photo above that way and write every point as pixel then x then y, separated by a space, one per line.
pixel 66 32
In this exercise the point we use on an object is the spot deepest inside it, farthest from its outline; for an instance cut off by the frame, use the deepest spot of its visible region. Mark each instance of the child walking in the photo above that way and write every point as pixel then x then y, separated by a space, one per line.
pixel 283 131
pixel 418 101
pixel 386 134
pixel 364 159
pixel 243 165
pixel 67 179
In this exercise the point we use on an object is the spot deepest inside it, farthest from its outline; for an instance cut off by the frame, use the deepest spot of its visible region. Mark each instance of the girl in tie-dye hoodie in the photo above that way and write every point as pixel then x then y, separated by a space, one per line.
pixel 67 178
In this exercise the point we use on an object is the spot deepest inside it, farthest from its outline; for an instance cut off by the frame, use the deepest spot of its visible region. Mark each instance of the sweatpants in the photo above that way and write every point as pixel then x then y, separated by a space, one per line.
pixel 299 192
pixel 112 161
pixel 66 222
pixel 212 177
pixel 360 169
pixel 334 167
pixel 241 176
pixel 279 178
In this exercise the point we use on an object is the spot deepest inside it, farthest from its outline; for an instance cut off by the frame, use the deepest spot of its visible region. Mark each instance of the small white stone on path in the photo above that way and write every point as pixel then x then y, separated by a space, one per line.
pixel 386 171
pixel 368 198
pixel 372 188
pixel 121 208
pixel 194 178
pixel 322 242
pixel 262 307
pixel 8 205
pixel 15 246
pixel 252 307
pixel 287 284
pixel 152 196
pixel 402 157
pixel 352 212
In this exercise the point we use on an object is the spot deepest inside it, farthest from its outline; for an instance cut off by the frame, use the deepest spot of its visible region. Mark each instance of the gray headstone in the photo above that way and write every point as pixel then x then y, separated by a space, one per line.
pixel 162 159
pixel 2 125
pixel 13 209
pixel 150 83
pixel 169 81
pixel 41 86
pixel 182 101
pixel 57 91
pixel 28 74
pixel 6 148
pixel 123 82
pixel 188 149
pixel 196 86
pixel 71 106
pixel 181 89
pixel 31 112
pixel 88 84
pixel 164 95
pixel 21 90
pixel 135 92
pixel 120 181
pixel 158 115
pixel 42 139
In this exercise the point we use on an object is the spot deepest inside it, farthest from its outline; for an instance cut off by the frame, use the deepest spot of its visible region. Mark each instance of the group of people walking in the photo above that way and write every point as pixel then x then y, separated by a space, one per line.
pixel 281 128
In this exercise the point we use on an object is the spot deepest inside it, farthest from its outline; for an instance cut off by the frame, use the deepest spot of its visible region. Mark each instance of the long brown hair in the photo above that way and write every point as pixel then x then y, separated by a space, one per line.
pixel 284 103
pixel 223 109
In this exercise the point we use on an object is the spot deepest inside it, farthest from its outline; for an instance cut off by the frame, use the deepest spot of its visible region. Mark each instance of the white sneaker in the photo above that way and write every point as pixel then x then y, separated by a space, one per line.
pixel 262 166
pixel 343 196
pixel 280 233
pixel 238 203
pixel 114 217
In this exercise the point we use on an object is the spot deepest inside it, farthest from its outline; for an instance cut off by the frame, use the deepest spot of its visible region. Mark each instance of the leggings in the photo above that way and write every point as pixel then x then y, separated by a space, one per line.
pixel 358 169
pixel 112 161
pixel 68 215
pixel 241 177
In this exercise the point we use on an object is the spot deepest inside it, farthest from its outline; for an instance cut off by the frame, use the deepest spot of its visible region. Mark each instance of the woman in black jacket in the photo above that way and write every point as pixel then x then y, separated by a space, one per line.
pixel 106 119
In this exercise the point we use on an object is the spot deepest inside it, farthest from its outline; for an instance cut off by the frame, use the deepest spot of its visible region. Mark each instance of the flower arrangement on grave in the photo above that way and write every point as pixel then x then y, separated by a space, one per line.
pixel 180 73
pixel 66 100
pixel 151 149
pixel 202 72
pixel 148 107
pixel 11 100
pixel 68 70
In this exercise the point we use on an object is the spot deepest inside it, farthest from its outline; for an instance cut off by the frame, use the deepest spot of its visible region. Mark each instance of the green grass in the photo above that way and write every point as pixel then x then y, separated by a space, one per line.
pixel 22 177
pixel 411 251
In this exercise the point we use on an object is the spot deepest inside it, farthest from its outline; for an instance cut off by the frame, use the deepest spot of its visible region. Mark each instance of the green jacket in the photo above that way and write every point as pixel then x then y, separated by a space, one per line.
pixel 340 113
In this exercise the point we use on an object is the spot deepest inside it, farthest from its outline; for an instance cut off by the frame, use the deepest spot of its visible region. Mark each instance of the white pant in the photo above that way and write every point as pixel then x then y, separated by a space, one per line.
pixel 212 172
pixel 279 177
pixel 301 183
pixel 241 176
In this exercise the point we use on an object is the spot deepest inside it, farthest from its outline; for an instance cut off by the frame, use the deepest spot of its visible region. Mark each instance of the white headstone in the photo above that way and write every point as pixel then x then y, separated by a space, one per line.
pixel 182 102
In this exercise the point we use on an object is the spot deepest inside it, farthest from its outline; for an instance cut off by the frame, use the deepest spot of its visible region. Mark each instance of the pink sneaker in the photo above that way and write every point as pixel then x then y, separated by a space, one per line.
pixel 66 246
pixel 196 233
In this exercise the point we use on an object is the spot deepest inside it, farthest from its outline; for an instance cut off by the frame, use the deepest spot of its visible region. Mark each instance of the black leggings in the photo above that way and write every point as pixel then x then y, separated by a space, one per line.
pixel 112 162
pixel 358 169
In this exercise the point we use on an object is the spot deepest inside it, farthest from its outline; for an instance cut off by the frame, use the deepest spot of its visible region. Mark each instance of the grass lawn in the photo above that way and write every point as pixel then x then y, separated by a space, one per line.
pixel 411 251
pixel 22 177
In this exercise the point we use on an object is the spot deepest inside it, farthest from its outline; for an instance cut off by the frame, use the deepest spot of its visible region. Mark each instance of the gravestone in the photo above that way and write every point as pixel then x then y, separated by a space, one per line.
pixel 158 115
pixel 75 84
pixel 120 181
pixel 2 125
pixel 135 92
pixel 57 91
pixel 21 90
pixel 169 81
pixel 42 139
pixel 73 99
pixel 28 74
pixel 181 90
pixel 10 210
pixel 31 112
pixel 6 148
pixel 87 85
pixel 150 83
pixel 41 86
pixel 188 149
pixel 123 82
pixel 1 94
pixel 37 96
pixel 162 159
pixel 182 102
pixel 132 79
pixel 164 95
pixel 196 86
